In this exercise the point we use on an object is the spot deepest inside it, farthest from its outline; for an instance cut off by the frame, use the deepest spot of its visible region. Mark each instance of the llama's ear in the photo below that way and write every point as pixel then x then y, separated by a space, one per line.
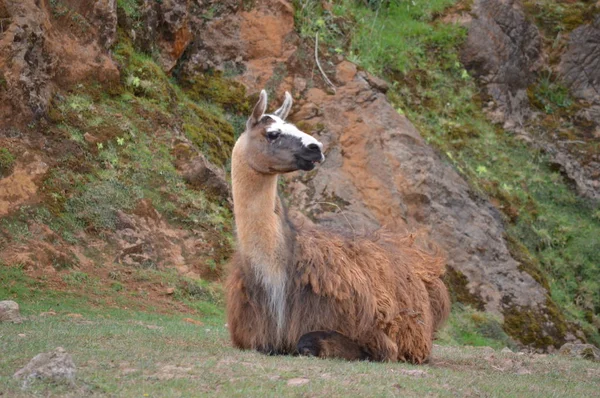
pixel 259 110
pixel 284 111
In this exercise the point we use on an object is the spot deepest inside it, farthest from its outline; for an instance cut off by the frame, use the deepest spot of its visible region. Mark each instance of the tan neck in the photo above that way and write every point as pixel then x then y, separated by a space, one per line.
pixel 259 228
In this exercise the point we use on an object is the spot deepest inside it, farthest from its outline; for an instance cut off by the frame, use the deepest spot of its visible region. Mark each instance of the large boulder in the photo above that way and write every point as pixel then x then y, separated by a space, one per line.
pixel 503 50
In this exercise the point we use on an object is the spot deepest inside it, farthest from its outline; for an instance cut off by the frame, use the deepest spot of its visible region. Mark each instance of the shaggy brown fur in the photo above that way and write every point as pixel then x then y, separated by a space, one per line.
pixel 331 345
pixel 382 294
pixel 389 301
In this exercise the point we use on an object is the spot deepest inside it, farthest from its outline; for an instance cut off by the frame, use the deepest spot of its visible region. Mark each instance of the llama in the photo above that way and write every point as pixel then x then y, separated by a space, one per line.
pixel 299 289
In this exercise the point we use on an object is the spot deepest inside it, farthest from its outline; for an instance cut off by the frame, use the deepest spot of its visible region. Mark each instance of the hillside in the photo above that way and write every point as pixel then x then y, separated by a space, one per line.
pixel 476 123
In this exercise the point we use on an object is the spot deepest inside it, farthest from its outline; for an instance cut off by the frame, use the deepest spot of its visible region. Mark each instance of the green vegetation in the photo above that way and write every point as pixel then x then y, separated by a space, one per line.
pixel 405 43
pixel 550 96
pixel 554 17
pixel 7 162
pixel 467 326
pixel 131 8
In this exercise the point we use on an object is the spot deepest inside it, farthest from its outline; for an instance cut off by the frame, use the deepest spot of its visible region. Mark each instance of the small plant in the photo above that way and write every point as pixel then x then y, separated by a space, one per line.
pixel 76 278
pixel 7 162
pixel 550 96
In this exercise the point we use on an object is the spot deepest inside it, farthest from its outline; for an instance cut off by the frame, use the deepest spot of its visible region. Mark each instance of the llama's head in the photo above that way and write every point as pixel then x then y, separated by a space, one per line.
pixel 273 146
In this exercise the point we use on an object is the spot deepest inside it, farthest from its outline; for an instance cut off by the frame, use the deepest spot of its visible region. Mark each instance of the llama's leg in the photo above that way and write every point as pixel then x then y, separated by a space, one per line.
pixel 242 318
pixel 330 344
pixel 249 324
pixel 237 311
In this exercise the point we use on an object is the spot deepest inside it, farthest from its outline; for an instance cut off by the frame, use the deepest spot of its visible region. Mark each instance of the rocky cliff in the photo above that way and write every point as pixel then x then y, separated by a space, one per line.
pixel 61 59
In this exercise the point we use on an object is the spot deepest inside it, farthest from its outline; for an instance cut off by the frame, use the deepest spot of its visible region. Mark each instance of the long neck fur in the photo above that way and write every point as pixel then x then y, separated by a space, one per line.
pixel 261 230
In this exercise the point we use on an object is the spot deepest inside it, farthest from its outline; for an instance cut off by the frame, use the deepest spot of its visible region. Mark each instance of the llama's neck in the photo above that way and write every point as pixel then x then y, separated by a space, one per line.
pixel 260 230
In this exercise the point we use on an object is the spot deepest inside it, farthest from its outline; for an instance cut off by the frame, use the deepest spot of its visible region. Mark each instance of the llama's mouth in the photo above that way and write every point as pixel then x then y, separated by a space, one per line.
pixel 308 164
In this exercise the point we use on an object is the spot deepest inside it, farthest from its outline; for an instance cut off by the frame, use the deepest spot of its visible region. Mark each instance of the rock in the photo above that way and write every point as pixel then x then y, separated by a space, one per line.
pixel 504 50
pixel 414 373
pixel 40 52
pixel 174 27
pixel 583 177
pixel 9 312
pixel 580 71
pixel 101 14
pixel 193 321
pixel 298 381
pixel 202 174
pixel 580 63
pixel 506 350
pixel 380 172
pixel 375 82
pixel 20 186
pixel 56 365
pixel 345 71
pixel 586 351
pixel 144 238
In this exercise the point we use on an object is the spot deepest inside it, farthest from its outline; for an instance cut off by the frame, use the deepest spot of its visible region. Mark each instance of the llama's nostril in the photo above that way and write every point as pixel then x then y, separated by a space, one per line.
pixel 313 147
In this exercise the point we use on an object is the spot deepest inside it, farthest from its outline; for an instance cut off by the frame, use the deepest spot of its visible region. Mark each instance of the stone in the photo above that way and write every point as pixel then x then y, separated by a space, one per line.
pixel 202 174
pixel 345 71
pixel 55 365
pixel 297 381
pixel 9 312
pixel 414 373
pixel 586 351
pixel 37 56
pixel 580 63
pixel 504 50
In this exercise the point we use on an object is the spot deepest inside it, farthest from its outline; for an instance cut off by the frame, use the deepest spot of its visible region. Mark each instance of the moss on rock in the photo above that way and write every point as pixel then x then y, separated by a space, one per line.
pixel 527 263
pixel 212 134
pixel 459 292
pixel 538 328
pixel 217 89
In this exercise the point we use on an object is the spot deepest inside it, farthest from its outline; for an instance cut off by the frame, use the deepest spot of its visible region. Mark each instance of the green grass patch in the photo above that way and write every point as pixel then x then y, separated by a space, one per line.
pixel 7 162
pixel 467 326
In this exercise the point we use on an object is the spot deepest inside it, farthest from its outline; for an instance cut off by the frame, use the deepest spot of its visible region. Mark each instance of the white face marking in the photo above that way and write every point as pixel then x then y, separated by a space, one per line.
pixel 290 129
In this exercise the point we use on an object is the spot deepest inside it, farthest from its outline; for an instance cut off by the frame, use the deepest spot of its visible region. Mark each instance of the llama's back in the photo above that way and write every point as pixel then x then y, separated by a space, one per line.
pixel 376 254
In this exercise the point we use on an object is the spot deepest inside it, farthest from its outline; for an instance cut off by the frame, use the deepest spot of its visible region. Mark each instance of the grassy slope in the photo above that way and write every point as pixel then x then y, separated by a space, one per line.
pixel 554 233
pixel 127 351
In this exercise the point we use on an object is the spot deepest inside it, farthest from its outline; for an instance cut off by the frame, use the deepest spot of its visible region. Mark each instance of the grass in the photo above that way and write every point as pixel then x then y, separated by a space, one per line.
pixel 7 162
pixel 123 350
pixel 407 44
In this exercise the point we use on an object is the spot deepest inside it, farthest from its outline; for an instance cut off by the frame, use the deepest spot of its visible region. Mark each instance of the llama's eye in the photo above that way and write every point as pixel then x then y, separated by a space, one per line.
pixel 273 135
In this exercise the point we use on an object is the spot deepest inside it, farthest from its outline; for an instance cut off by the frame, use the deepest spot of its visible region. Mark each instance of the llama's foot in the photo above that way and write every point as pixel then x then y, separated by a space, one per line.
pixel 329 344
